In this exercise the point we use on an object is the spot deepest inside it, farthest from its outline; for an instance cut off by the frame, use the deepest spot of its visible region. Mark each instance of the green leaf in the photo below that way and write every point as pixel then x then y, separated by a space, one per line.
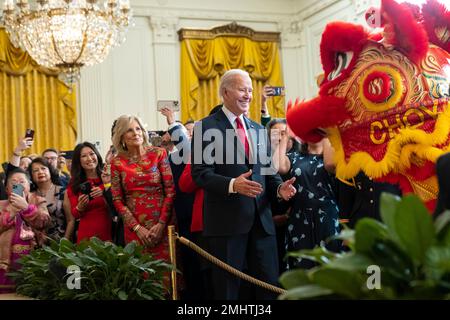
pixel 342 282
pixel 65 245
pixel 130 248
pixel 445 237
pixel 394 262
pixel 294 278
pixel 305 292
pixel 318 254
pixel 122 295
pixel 388 208
pixel 442 226
pixel 350 262
pixel 437 263
pixel 414 227
pixel 368 232
pixel 442 221
pixel 347 235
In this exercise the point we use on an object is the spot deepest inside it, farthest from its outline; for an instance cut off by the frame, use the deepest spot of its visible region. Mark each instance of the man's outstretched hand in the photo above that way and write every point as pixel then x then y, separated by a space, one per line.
pixel 247 187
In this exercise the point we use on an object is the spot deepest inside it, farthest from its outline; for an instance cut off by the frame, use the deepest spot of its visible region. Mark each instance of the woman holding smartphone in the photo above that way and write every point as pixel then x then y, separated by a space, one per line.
pixel 23 219
pixel 85 192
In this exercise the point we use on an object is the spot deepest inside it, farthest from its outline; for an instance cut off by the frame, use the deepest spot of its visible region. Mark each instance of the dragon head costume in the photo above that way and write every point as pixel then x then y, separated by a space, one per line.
pixel 384 100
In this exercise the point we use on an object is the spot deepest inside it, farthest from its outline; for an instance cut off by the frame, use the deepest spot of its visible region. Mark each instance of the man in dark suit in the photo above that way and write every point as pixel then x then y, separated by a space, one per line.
pixel 443 174
pixel 230 162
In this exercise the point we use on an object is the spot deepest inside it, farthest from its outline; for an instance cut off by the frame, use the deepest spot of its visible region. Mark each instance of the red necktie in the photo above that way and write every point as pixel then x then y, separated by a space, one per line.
pixel 241 134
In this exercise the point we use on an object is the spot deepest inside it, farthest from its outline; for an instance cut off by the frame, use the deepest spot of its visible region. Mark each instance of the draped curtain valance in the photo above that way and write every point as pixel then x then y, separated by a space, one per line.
pixel 207 54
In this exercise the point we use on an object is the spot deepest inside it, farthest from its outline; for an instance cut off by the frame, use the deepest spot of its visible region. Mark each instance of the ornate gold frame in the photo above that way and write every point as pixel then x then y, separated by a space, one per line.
pixel 232 30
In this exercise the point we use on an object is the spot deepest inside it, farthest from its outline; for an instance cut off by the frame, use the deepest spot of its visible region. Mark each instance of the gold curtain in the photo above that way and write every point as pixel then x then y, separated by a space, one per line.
pixel 32 97
pixel 204 61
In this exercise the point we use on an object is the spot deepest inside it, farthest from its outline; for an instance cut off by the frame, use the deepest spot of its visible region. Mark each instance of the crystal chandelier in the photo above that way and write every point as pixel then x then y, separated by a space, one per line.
pixel 67 34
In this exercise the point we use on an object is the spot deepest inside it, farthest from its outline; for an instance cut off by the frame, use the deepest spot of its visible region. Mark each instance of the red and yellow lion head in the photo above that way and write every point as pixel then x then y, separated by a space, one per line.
pixel 384 98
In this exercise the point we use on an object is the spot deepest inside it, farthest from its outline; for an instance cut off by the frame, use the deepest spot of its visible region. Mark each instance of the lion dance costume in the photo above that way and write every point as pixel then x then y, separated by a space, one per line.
pixel 384 100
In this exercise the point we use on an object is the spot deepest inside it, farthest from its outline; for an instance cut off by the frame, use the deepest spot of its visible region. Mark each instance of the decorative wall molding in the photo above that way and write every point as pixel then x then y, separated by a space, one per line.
pixel 232 29
pixel 291 33
pixel 316 8
pixel 361 6
pixel 209 14
pixel 164 28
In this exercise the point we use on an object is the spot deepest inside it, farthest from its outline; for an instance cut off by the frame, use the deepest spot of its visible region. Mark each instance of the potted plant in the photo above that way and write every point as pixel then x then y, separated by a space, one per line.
pixel 93 270
pixel 406 256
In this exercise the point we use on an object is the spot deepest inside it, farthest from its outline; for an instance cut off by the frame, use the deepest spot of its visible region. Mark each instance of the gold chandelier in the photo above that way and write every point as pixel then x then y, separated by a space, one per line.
pixel 67 34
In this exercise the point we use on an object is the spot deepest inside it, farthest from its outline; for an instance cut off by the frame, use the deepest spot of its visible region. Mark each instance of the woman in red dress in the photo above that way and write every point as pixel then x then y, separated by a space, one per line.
pixel 85 192
pixel 142 186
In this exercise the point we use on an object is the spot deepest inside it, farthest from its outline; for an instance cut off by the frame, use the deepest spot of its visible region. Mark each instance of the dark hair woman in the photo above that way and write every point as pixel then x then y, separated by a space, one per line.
pixel 85 192
pixel 23 219
pixel 45 180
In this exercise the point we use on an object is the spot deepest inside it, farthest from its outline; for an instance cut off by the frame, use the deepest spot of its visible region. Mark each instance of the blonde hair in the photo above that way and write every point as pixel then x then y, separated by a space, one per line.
pixel 121 126
pixel 227 79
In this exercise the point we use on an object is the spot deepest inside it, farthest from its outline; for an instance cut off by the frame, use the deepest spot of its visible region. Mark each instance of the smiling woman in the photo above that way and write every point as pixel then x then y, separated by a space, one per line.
pixel 85 192
pixel 142 186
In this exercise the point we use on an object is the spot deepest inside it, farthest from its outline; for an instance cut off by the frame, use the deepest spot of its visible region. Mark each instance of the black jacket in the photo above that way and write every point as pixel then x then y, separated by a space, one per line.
pixel 224 213
pixel 443 174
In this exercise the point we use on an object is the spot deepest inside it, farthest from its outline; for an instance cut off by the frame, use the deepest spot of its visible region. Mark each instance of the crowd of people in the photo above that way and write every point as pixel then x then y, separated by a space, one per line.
pixel 220 193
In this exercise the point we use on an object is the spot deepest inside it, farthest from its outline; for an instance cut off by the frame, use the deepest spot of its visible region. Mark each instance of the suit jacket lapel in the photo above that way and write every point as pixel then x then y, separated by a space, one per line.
pixel 230 139
pixel 222 121
pixel 253 137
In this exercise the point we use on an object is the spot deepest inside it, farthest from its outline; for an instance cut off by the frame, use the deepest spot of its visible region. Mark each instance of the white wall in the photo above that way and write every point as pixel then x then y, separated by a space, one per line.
pixel 146 67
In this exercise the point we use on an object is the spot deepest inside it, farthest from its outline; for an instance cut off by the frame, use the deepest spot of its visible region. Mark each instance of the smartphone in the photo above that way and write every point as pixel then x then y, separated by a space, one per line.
pixel 29 133
pixel 67 154
pixel 18 189
pixel 156 140
pixel 85 187
pixel 172 104
pixel 276 91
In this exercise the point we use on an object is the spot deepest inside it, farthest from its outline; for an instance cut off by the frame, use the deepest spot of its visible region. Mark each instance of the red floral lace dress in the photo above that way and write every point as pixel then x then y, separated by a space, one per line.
pixel 143 193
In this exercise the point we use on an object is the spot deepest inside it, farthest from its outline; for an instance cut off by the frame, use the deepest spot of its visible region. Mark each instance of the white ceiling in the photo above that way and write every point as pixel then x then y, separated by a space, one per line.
pixel 256 6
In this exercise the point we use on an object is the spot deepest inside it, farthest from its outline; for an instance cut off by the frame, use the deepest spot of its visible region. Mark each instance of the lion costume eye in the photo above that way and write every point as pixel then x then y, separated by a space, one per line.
pixel 341 62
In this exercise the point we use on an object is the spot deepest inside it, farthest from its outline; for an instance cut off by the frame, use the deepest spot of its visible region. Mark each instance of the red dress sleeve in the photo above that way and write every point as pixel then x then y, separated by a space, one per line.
pixel 73 198
pixel 186 183
pixel 168 186
pixel 117 194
